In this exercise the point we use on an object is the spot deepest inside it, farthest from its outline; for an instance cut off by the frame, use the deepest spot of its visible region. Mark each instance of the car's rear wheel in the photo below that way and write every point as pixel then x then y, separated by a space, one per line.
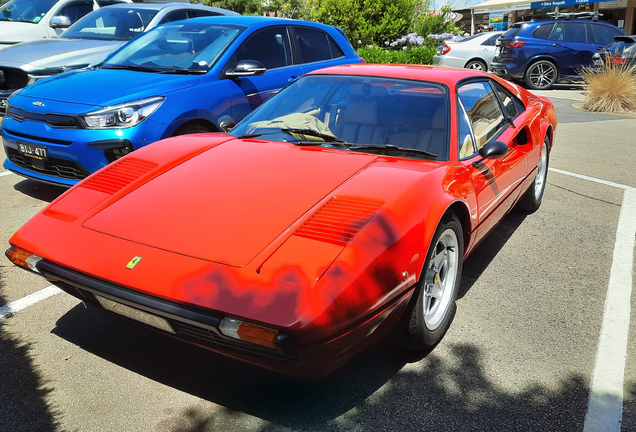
pixel 541 75
pixel 531 200
pixel 476 65
pixel 435 307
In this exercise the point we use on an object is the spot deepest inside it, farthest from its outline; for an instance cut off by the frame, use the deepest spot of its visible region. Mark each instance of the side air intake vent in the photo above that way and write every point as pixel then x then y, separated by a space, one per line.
pixel 339 220
pixel 119 175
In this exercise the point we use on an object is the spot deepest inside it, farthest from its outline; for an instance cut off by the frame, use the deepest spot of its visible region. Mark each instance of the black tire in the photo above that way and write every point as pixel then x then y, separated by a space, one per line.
pixel 191 128
pixel 431 317
pixel 531 199
pixel 476 65
pixel 541 75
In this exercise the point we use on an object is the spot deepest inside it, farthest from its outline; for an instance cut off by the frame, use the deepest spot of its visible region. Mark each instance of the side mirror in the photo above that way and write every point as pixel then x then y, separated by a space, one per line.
pixel 60 21
pixel 246 68
pixel 226 123
pixel 494 149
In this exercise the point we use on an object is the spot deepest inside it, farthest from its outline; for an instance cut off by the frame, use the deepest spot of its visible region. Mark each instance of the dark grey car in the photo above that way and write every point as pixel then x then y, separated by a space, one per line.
pixel 88 42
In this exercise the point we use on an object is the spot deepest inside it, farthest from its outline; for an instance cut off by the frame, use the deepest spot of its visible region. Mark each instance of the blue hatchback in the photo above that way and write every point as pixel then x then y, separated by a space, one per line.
pixel 182 77
pixel 543 53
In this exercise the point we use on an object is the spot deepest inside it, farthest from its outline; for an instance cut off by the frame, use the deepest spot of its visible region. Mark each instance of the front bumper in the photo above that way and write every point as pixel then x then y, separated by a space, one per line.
pixel 201 326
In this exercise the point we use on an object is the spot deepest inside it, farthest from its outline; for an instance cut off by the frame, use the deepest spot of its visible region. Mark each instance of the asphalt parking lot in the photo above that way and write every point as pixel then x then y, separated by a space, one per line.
pixel 520 355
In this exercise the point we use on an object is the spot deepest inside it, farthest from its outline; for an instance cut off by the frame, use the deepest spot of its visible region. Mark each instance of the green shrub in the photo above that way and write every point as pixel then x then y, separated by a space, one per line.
pixel 412 55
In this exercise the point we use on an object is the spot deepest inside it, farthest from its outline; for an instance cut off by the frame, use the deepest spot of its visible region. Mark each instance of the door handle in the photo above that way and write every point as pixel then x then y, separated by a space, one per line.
pixel 556 45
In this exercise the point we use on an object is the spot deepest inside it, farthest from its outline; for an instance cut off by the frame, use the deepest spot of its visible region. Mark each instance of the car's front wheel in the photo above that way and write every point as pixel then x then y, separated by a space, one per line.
pixel 435 306
pixel 541 75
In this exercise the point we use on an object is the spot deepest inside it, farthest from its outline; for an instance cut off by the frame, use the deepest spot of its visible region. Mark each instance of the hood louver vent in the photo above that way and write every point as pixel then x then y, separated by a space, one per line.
pixel 339 220
pixel 119 175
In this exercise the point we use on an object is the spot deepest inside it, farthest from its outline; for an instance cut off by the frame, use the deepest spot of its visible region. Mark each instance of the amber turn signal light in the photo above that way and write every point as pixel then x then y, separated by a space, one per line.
pixel 248 332
pixel 24 259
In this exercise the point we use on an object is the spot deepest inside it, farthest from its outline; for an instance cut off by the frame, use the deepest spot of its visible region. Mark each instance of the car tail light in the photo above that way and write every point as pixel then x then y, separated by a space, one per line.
pixel 362 61
pixel 444 50
pixel 513 44
pixel 24 259
pixel 617 60
pixel 248 332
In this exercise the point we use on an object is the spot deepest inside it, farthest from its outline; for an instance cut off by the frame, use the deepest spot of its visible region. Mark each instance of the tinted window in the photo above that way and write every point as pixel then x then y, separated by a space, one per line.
pixel 491 40
pixel 512 106
pixel 314 45
pixel 111 24
pixel 543 31
pixel 201 13
pixel 75 11
pixel 484 113
pixel 176 16
pixel 569 32
pixel 335 49
pixel 604 34
pixel 269 46
pixel 514 30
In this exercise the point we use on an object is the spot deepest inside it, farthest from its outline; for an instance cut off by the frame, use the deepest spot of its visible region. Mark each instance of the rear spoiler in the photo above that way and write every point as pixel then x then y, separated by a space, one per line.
pixel 628 39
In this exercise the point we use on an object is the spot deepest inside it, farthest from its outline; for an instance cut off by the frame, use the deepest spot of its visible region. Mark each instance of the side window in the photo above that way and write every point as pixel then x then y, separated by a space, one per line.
pixel 75 11
pixel 491 41
pixel 335 49
pixel 512 106
pixel 569 32
pixel 175 16
pixel 603 34
pixel 202 13
pixel 314 45
pixel 484 112
pixel 269 46
pixel 466 142
pixel 543 31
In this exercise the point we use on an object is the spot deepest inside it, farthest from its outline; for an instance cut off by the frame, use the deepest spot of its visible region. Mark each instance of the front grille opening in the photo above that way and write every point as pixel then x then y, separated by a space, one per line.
pixel 53 167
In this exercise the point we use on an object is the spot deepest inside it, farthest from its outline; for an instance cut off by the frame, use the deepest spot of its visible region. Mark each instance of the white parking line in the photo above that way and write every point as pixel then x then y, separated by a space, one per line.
pixel 5 173
pixel 29 300
pixel 592 179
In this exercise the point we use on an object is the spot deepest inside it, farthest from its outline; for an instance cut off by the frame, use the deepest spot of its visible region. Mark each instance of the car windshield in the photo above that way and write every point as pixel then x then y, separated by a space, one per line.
pixel 111 24
pixel 178 47
pixel 25 10
pixel 395 117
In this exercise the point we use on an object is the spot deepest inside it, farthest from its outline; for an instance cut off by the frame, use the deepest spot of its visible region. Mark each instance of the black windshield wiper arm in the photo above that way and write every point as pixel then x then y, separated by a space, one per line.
pixel 394 148
pixel 311 132
pixel 132 68
pixel 184 71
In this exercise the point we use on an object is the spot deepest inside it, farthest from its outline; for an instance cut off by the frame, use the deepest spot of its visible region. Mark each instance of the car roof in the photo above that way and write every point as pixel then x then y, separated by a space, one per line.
pixel 248 20
pixel 440 74
pixel 162 6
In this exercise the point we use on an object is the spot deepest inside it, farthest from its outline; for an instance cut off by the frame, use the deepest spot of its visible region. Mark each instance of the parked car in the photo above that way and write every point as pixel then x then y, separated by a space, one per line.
pixel 26 20
pixel 473 52
pixel 622 51
pixel 543 53
pixel 89 41
pixel 181 77
pixel 341 210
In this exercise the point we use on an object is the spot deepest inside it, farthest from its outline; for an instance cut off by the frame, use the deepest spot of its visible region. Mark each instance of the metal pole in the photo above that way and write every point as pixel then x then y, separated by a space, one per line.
pixel 472 21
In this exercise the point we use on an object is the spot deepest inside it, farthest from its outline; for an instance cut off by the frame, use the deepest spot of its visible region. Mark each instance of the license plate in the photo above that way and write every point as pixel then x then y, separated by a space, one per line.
pixel 136 314
pixel 3 105
pixel 34 151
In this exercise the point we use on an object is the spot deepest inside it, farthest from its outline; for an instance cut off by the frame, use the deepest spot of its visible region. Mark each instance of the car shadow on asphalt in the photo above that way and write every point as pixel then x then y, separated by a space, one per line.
pixel 23 390
pixel 39 190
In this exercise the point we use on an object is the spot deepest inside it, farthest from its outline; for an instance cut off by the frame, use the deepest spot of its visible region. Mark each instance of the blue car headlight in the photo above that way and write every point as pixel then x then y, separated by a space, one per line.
pixel 123 115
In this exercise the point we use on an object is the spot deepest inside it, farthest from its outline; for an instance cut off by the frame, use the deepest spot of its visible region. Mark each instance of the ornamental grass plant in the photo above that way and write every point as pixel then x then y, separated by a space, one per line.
pixel 610 87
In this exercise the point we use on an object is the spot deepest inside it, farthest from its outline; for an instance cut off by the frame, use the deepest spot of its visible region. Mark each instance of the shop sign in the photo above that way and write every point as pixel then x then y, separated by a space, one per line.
pixel 555 3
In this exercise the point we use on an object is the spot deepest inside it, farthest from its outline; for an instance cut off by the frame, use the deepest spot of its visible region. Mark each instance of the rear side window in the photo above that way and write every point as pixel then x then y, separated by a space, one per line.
pixel 543 31
pixel 515 30
pixel 314 45
pixel 202 13
pixel 569 32
pixel 491 40
pixel 512 106
pixel 603 34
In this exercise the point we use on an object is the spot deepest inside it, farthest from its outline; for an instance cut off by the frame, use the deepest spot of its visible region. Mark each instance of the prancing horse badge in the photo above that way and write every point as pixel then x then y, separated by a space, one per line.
pixel 133 262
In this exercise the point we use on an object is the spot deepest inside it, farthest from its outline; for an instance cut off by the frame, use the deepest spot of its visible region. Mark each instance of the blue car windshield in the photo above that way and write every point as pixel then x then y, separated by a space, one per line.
pixel 111 24
pixel 391 116
pixel 178 47
pixel 25 10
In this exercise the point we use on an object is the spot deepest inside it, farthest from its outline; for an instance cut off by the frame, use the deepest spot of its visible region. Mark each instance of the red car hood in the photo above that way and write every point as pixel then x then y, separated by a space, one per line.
pixel 228 203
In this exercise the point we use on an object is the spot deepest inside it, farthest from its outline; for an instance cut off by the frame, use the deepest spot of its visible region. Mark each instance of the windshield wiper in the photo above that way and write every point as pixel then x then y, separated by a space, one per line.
pixel 394 149
pixel 132 68
pixel 184 71
pixel 310 132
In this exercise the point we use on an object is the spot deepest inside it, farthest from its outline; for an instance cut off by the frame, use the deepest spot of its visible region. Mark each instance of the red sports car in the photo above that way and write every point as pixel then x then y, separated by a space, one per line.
pixel 339 211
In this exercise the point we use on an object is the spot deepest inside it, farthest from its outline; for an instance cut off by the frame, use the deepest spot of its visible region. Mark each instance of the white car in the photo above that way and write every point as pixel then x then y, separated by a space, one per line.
pixel 474 52
pixel 27 20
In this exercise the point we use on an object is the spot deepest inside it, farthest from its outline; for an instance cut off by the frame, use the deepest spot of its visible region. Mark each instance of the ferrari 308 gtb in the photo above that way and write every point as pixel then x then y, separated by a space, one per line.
pixel 337 213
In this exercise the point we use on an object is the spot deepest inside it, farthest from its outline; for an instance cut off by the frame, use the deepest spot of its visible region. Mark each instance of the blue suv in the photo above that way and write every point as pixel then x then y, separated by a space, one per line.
pixel 189 76
pixel 543 53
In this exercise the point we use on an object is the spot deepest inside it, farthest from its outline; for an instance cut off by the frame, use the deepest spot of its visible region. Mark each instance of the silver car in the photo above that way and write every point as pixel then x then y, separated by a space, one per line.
pixel 88 42
pixel 474 52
